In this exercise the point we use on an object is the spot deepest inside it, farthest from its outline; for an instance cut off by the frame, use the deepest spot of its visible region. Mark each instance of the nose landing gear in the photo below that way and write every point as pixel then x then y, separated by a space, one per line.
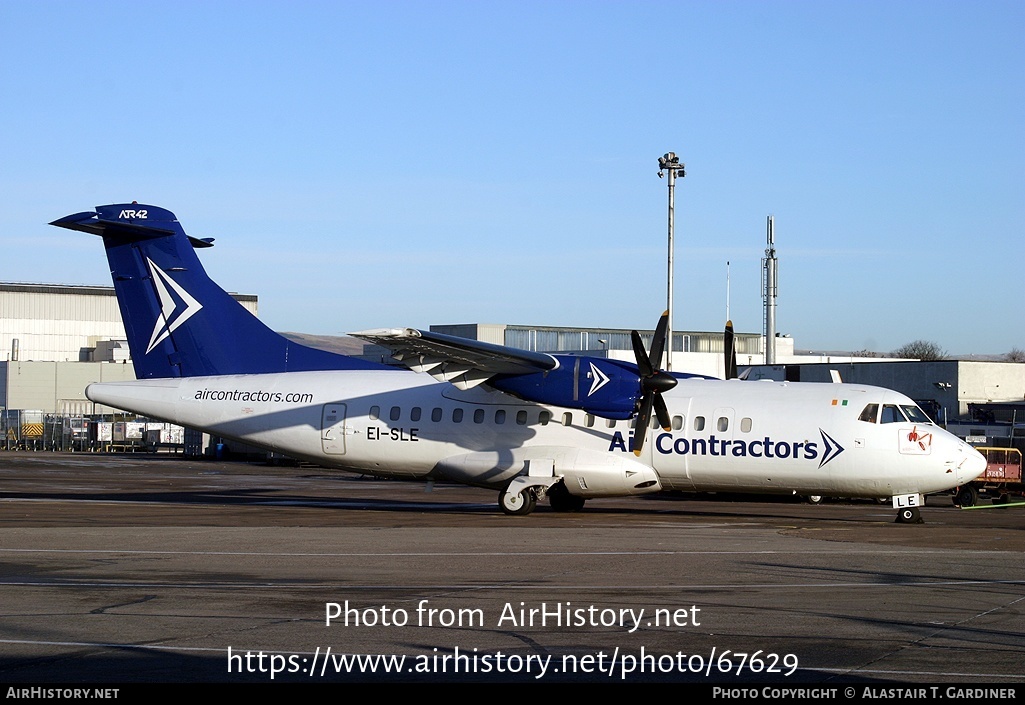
pixel 909 515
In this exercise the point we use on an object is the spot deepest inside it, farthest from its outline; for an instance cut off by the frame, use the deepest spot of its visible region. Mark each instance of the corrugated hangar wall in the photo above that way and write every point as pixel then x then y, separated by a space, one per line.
pixel 56 326
pixel 56 323
pixel 57 387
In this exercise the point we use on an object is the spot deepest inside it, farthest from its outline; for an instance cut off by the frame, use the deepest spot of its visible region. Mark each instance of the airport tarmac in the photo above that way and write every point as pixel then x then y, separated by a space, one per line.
pixel 122 568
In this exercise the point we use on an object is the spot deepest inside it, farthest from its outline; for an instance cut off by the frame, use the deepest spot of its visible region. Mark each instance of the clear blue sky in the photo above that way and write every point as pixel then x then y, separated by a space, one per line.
pixel 385 164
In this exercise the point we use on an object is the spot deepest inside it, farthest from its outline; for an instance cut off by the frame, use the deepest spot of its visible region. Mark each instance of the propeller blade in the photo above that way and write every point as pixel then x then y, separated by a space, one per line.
pixel 658 341
pixel 730 351
pixel 641 355
pixel 653 382
pixel 662 413
pixel 641 426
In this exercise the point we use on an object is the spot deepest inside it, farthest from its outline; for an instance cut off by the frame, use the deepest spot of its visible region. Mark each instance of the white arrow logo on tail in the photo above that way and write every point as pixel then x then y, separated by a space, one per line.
pixel 167 322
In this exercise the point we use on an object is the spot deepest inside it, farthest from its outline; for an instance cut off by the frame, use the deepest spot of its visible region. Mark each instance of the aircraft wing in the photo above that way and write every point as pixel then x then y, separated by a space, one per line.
pixel 461 361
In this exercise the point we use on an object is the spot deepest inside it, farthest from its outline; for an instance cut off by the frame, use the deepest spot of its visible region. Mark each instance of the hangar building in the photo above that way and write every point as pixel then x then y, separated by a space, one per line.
pixel 56 339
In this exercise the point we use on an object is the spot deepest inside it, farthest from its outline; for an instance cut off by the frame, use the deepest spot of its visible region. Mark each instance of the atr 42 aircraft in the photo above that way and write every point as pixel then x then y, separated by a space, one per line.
pixel 529 425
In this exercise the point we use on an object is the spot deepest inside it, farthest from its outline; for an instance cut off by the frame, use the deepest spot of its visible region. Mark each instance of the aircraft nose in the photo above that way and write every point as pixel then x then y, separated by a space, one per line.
pixel 973 465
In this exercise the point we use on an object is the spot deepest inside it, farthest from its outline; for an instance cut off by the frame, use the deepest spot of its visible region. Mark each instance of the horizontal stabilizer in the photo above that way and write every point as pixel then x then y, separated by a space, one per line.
pixel 134 222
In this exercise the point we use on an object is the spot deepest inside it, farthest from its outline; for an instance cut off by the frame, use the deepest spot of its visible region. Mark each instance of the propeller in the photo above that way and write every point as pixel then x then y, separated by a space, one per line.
pixel 730 351
pixel 653 382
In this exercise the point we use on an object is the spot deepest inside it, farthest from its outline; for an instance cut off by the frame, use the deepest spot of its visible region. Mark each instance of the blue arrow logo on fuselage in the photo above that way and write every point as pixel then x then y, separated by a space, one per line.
pixel 833 448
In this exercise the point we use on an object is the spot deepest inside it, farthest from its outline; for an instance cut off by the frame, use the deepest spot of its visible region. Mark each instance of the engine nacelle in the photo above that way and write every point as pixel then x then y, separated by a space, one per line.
pixel 606 388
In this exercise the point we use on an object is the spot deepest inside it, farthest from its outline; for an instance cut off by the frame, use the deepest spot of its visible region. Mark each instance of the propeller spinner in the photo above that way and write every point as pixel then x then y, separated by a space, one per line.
pixel 654 382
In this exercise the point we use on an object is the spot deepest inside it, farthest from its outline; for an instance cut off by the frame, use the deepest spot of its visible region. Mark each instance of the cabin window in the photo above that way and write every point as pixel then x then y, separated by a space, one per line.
pixel 544 417
pixel 375 413
pixel 500 416
pixel 611 423
pixel 745 424
pixel 478 416
pixel 414 413
pixel 870 413
pixel 457 415
pixel 654 421
pixel 589 420
pixel 699 423
pixel 395 413
pixel 436 414
pixel 722 423
pixel 677 423
pixel 891 414
pixel 915 414
pixel 521 417
pixel 567 418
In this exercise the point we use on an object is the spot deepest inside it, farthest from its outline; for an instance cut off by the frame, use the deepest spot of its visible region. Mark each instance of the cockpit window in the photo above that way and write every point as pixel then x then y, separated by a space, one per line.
pixel 892 414
pixel 915 414
pixel 870 413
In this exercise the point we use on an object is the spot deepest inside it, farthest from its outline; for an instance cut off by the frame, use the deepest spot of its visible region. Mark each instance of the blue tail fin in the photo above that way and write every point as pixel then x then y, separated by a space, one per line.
pixel 179 322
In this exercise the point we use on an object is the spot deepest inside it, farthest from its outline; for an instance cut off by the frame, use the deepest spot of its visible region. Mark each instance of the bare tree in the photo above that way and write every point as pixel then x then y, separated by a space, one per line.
pixel 921 350
pixel 1016 355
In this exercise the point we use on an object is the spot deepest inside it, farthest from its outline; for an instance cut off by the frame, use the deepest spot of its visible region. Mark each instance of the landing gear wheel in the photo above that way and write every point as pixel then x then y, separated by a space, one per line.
pixel 562 501
pixel 909 515
pixel 813 499
pixel 517 504
pixel 967 496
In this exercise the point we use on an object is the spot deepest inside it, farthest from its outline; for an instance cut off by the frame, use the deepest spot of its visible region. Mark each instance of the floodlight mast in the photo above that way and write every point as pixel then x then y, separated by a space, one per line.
pixel 770 274
pixel 670 163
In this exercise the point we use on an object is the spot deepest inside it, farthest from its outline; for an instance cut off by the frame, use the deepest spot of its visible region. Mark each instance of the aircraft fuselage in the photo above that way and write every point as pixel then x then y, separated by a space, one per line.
pixel 726 435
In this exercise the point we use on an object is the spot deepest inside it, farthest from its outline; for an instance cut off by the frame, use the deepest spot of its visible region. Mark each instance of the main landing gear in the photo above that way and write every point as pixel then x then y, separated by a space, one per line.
pixel 562 500
pixel 517 500
pixel 517 503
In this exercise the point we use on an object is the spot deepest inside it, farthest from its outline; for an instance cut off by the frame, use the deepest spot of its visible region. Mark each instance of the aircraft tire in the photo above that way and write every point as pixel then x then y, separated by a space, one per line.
pixel 517 504
pixel 562 501
pixel 813 499
pixel 909 515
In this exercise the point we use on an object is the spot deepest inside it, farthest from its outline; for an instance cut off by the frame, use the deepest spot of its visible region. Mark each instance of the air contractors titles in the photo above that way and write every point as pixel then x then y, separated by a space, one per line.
pixel 932 692
pixel 766 447
pixel 665 443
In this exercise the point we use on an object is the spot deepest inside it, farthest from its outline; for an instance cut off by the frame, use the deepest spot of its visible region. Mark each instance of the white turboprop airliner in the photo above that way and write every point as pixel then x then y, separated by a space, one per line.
pixel 529 425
